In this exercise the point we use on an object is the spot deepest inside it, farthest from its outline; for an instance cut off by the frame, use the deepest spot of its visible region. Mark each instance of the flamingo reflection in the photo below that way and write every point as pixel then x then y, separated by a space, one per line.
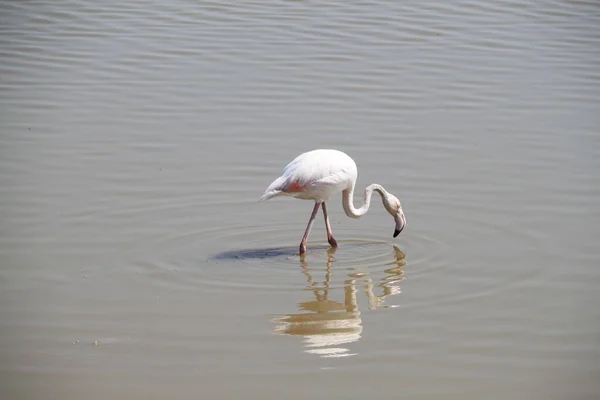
pixel 326 324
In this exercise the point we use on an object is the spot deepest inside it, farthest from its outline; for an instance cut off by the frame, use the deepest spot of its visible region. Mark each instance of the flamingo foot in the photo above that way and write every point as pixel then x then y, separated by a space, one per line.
pixel 302 248
pixel 332 242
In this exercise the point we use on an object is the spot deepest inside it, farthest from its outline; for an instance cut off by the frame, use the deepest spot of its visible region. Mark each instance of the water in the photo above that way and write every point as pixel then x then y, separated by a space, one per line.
pixel 136 139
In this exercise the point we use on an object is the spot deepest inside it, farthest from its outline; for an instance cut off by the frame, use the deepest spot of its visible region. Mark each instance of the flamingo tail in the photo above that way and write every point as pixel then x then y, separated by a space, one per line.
pixel 275 189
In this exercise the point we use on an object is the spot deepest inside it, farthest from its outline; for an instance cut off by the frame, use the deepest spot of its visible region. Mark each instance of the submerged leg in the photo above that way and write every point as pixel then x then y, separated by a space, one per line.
pixel 330 238
pixel 307 232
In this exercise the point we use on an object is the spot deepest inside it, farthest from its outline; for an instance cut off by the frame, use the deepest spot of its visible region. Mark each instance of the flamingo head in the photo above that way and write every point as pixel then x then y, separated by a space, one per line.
pixel 393 206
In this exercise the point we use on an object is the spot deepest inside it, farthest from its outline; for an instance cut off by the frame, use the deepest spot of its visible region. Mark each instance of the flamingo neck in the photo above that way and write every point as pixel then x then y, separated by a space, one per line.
pixel 348 200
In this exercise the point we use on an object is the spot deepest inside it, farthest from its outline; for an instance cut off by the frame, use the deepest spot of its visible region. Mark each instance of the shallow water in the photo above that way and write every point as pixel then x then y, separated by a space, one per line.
pixel 137 137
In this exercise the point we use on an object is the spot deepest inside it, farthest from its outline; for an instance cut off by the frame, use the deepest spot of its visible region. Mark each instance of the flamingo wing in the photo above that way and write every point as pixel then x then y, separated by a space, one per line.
pixel 315 175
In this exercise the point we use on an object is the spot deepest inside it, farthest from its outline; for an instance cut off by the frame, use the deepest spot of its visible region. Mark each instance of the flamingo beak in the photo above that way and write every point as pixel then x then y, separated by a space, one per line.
pixel 400 223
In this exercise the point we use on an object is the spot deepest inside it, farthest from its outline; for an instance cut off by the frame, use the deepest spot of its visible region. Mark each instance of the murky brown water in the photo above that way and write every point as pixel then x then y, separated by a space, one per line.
pixel 136 138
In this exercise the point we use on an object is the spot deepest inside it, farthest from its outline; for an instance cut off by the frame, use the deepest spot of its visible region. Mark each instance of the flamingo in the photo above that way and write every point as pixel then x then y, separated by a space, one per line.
pixel 319 174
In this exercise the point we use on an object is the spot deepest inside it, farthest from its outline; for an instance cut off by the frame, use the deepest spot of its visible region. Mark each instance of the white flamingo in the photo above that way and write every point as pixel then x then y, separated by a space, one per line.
pixel 319 174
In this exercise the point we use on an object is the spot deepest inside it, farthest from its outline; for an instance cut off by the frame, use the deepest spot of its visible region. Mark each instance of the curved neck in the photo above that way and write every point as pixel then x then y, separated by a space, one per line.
pixel 348 200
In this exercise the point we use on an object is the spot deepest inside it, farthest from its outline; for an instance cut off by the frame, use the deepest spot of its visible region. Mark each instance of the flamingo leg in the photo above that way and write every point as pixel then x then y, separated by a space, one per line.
pixel 307 232
pixel 330 238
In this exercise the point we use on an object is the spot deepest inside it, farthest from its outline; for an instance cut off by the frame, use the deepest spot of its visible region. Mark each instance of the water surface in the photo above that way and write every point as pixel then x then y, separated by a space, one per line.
pixel 136 138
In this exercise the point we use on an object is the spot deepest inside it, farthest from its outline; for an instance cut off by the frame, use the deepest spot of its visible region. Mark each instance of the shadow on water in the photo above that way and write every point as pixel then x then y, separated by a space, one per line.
pixel 274 252
pixel 257 254
pixel 328 324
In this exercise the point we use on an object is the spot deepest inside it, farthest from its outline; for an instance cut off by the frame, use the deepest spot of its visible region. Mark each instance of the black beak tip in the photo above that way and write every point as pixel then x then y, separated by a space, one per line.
pixel 397 232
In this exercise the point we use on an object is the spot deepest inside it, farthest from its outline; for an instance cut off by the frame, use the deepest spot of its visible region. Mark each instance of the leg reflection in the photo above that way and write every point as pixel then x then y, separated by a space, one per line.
pixel 327 324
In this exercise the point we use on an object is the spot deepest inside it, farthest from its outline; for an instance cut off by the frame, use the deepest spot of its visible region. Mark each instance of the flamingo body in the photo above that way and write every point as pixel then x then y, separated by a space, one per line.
pixel 318 175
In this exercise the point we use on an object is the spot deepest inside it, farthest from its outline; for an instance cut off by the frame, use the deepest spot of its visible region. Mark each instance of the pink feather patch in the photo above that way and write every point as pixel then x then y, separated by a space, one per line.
pixel 295 187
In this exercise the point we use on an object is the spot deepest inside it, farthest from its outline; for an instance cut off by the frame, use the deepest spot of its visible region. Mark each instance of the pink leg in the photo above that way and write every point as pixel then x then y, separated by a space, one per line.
pixel 330 238
pixel 307 232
